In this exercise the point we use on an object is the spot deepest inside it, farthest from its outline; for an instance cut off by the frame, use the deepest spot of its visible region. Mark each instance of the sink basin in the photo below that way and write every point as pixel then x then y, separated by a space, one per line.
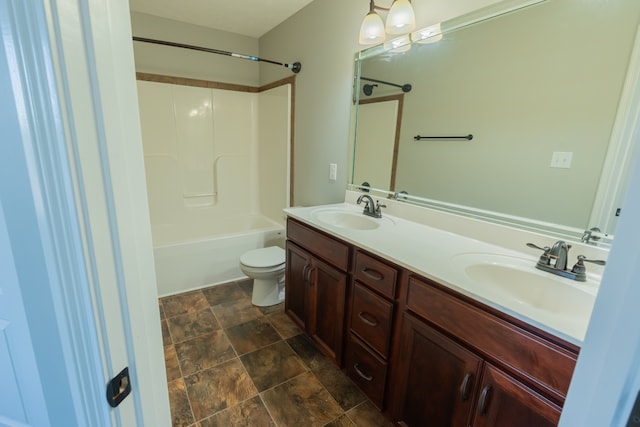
pixel 346 219
pixel 516 284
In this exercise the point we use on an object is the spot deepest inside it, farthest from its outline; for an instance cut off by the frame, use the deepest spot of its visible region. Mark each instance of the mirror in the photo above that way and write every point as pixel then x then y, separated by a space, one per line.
pixel 521 110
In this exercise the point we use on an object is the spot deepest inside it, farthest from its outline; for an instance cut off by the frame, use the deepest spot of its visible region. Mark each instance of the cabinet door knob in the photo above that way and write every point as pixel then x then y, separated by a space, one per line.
pixel 465 387
pixel 359 372
pixel 483 402
pixel 364 317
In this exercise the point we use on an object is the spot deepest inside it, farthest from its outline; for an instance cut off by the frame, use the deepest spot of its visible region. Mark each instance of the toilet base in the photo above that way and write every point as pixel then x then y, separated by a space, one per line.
pixel 267 292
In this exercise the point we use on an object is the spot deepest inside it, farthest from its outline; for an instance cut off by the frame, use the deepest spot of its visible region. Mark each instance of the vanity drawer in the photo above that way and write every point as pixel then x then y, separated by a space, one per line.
pixel 371 318
pixel 375 274
pixel 366 369
pixel 331 250
pixel 541 362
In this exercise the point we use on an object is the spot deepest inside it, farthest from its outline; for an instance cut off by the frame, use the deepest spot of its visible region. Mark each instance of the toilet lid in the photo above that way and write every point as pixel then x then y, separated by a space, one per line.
pixel 263 257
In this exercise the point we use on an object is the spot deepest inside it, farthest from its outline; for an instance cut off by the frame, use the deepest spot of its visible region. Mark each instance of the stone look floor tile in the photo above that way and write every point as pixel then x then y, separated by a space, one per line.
pixel 252 335
pixel 181 415
pixel 343 390
pixel 223 294
pixel 166 336
pixel 272 365
pixel 246 285
pixel 310 355
pixel 189 302
pixel 218 388
pixel 191 325
pixel 204 352
pixel 270 309
pixel 301 387
pixel 283 324
pixel 342 421
pixel 367 415
pixel 301 401
pixel 250 413
pixel 236 312
pixel 171 363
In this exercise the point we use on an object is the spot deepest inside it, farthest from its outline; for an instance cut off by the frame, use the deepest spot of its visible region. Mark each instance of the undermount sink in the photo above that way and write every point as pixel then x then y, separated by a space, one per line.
pixel 348 219
pixel 517 284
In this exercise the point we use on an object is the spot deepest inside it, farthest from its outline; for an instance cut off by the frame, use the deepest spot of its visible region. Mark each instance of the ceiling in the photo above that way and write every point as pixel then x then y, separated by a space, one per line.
pixel 251 18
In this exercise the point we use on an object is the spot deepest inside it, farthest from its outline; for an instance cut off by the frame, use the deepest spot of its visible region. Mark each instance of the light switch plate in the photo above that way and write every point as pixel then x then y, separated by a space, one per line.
pixel 333 171
pixel 561 159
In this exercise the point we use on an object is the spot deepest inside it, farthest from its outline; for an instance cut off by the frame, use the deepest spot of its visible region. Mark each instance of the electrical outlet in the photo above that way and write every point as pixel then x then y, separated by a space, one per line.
pixel 561 159
pixel 333 171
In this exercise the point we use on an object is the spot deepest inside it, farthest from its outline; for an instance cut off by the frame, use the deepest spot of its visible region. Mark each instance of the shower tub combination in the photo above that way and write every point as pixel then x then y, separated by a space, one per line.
pixel 217 178
pixel 195 255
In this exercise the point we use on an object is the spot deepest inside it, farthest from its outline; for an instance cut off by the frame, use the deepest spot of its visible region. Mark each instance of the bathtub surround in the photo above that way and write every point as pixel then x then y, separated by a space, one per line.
pixel 216 162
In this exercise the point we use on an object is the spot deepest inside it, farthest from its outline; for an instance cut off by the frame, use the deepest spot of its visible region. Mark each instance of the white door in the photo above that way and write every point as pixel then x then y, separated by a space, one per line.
pixel 79 300
pixel 21 397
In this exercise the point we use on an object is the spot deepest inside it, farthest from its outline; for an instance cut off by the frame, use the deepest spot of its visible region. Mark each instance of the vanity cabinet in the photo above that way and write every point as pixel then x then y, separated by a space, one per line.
pixel 462 366
pixel 423 353
pixel 316 283
pixel 370 324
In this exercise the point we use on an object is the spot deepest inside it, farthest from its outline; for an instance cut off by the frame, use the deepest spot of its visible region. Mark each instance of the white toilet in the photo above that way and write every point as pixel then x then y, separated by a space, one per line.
pixel 266 267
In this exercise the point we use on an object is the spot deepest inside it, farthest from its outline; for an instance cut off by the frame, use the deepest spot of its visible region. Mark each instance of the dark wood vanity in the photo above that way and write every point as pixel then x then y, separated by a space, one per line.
pixel 423 353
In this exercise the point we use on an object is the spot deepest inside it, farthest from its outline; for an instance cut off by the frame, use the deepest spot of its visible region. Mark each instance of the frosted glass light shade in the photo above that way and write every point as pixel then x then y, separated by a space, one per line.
pixel 401 18
pixel 372 29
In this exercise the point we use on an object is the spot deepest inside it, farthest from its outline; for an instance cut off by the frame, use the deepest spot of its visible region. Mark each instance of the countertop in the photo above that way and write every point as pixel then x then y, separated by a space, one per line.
pixel 437 254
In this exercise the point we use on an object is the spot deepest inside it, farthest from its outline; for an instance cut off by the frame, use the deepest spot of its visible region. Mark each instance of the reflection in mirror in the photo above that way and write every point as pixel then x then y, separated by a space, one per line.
pixel 539 89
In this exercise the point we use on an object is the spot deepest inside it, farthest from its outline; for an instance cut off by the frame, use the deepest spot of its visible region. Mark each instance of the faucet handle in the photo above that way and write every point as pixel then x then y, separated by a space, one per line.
pixel 582 258
pixel 580 270
pixel 378 205
pixel 534 246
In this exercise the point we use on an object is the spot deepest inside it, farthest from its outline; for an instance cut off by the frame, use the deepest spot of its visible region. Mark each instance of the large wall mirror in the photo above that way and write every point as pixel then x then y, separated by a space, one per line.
pixel 526 114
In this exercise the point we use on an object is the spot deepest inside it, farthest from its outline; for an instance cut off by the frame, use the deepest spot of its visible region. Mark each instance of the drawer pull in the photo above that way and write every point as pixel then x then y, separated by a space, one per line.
pixel 465 387
pixel 483 401
pixel 363 316
pixel 372 274
pixel 305 272
pixel 359 372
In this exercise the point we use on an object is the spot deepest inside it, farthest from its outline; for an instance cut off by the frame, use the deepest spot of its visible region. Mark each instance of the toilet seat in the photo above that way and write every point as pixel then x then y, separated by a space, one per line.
pixel 269 257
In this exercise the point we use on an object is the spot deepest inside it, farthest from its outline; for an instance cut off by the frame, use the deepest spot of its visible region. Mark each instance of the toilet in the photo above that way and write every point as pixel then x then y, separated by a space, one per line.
pixel 266 267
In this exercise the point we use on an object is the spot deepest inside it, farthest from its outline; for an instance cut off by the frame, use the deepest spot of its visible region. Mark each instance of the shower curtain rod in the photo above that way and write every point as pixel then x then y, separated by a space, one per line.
pixel 295 67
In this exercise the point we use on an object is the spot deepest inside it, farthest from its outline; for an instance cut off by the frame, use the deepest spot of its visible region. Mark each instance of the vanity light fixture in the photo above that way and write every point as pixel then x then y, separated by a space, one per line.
pixel 400 20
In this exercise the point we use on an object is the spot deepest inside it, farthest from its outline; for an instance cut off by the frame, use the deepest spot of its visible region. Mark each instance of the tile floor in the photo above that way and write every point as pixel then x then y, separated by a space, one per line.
pixel 230 363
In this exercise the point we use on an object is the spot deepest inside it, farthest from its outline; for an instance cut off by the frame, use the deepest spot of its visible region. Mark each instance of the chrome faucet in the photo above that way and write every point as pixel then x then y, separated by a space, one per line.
pixel 554 260
pixel 370 208
pixel 591 236
pixel 558 255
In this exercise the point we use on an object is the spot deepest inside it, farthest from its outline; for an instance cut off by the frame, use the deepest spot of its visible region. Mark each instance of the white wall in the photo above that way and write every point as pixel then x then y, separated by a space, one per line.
pixel 172 61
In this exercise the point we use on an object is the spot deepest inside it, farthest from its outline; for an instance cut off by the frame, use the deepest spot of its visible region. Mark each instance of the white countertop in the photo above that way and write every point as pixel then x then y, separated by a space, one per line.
pixel 435 254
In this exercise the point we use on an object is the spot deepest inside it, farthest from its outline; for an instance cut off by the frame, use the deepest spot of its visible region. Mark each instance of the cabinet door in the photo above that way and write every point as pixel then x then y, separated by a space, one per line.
pixel 504 401
pixel 436 378
pixel 327 300
pixel 297 279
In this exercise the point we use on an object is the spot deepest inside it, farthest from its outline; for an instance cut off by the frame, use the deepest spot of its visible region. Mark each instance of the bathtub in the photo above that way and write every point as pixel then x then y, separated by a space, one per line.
pixel 199 254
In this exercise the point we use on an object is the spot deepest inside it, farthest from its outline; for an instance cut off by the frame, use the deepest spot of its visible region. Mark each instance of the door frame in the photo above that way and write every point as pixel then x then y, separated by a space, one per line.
pixel 79 138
